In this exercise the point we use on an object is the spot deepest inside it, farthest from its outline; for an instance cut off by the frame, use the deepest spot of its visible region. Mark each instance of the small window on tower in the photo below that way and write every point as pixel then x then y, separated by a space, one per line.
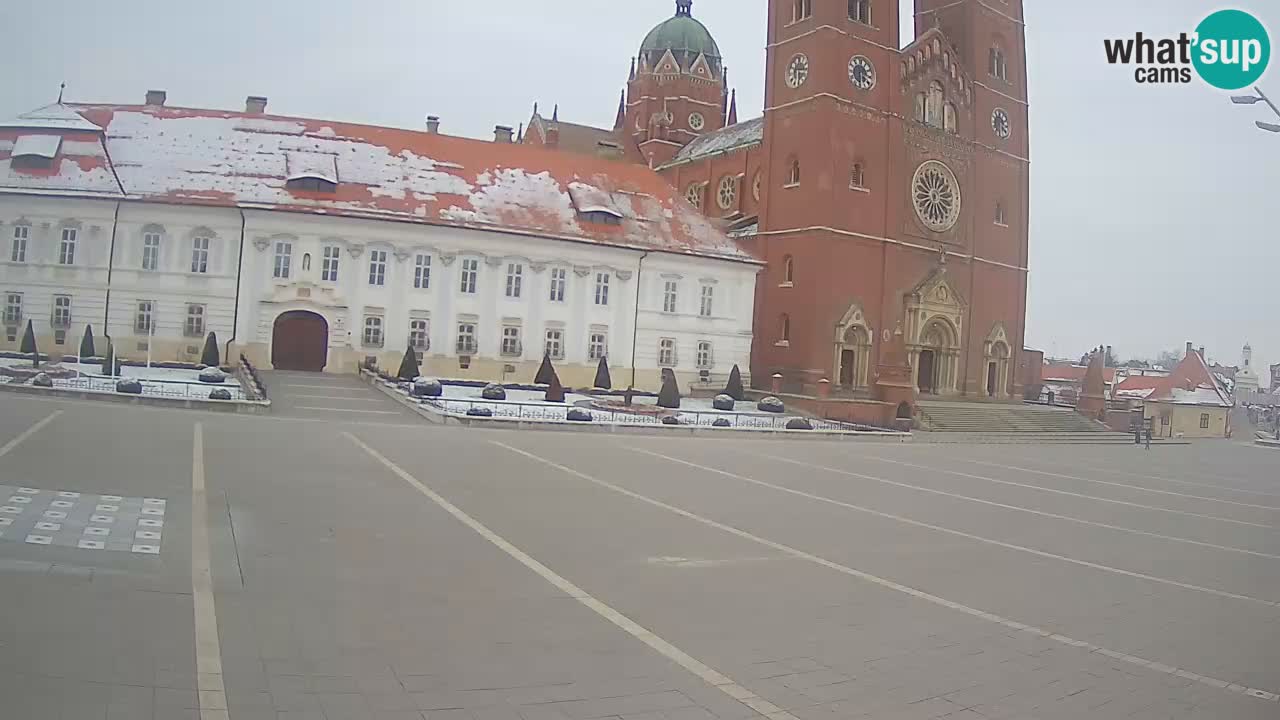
pixel 857 178
pixel 860 11
pixel 793 174
pixel 1000 215
pixel 801 10
pixel 998 67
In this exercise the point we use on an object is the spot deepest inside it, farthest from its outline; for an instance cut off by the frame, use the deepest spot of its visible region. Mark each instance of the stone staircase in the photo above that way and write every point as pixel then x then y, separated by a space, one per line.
pixel 1010 423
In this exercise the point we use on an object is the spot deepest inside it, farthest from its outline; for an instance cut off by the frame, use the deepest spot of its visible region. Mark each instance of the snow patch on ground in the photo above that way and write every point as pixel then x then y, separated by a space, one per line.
pixel 156 382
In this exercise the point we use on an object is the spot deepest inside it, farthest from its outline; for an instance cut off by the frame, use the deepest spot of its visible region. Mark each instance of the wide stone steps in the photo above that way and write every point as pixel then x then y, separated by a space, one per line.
pixel 992 418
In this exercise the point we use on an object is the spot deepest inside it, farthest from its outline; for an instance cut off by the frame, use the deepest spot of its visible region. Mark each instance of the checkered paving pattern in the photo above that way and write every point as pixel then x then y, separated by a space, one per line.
pixel 81 520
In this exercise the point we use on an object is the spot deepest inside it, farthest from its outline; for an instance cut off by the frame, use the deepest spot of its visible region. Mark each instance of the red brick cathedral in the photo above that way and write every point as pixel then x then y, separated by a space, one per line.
pixel 886 188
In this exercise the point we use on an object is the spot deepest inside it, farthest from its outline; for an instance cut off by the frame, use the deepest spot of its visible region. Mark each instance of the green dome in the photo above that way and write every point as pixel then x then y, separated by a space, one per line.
pixel 681 33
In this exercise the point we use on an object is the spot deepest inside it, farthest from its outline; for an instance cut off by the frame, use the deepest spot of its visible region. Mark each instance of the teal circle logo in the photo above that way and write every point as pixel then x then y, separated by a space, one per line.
pixel 1232 49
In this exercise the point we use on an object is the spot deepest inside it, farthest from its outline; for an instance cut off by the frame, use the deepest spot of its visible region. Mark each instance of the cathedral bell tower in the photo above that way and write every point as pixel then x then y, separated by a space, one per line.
pixel 676 90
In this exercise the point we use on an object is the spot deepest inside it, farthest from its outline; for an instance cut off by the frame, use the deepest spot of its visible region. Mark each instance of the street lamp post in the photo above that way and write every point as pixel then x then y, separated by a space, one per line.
pixel 1260 97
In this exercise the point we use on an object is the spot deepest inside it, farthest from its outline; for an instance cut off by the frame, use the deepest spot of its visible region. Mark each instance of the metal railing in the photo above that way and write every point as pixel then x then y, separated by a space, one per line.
pixel 163 388
pixel 508 410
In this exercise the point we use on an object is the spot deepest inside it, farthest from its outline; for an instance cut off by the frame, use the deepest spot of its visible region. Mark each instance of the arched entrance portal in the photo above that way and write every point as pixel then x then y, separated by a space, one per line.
pixel 300 341
pixel 937 359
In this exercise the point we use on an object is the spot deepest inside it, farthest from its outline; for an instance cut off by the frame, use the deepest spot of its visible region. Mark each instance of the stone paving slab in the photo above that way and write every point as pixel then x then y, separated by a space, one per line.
pixel 84 521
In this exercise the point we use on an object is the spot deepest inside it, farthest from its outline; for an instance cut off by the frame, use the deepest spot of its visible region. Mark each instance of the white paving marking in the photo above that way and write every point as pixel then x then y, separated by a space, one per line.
pixel 968 536
pixel 51 527
pixel 1018 508
pixel 1122 485
pixel 11 509
pixel 349 410
pixel 332 388
pixel 213 698
pixel 1211 486
pixel 101 519
pixel 55 514
pixel 97 531
pixel 68 494
pixel 91 545
pixel 1055 491
pixel 39 539
pixel 990 617
pixel 112 498
pixel 703 671
pixel 28 433
pixel 339 397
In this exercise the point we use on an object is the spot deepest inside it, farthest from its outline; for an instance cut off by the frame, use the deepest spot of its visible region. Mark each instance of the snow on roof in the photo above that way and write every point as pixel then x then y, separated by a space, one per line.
pixel 746 133
pixel 1071 372
pixel 45 146
pixel 210 157
pixel 302 165
pixel 52 117
pixel 588 198
pixel 1191 383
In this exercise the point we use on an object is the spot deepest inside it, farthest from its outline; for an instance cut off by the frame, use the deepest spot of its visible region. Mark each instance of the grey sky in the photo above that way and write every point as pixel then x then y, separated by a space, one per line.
pixel 1148 203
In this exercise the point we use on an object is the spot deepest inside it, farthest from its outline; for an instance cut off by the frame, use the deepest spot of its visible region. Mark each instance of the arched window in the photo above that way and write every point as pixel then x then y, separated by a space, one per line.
pixel 933 108
pixel 784 328
pixel 999 219
pixel 788 270
pixel 921 114
pixel 793 173
pixel 997 63
pixel 949 118
pixel 860 11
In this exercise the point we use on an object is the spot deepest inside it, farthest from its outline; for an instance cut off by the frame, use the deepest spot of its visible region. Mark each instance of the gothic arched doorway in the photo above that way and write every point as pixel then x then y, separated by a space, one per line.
pixel 937 359
pixel 300 341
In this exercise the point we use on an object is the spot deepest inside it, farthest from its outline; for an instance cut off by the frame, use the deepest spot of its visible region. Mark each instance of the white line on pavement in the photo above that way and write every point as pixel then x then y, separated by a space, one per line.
pixel 339 397
pixel 958 533
pixel 1068 493
pixel 708 674
pixel 1019 508
pixel 1189 483
pixel 1119 484
pixel 335 388
pixel 990 617
pixel 28 433
pixel 348 410
pixel 212 693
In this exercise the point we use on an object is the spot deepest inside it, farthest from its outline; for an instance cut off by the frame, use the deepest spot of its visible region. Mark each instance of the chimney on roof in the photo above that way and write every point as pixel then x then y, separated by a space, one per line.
pixel 156 98
pixel 1190 348
pixel 255 105
pixel 1106 357
pixel 1201 352
pixel 553 136
pixel 433 124
pixel 502 134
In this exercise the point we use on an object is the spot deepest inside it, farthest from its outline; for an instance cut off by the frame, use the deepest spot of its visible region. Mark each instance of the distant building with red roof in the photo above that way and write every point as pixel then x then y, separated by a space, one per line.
pixel 1190 402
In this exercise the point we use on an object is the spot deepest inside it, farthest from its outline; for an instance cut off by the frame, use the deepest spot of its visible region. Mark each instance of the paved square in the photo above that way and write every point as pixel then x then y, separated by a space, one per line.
pixel 83 521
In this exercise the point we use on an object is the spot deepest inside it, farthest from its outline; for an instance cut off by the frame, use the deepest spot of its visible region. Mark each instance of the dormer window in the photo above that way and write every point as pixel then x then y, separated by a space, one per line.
pixel 601 217
pixel 311 172
pixel 34 152
pixel 595 205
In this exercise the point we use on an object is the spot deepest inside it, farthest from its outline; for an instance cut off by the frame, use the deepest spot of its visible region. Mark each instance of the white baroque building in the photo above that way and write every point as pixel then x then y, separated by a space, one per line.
pixel 316 245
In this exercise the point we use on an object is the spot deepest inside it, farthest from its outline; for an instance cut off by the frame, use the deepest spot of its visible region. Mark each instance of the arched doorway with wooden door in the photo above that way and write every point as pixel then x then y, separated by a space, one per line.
pixel 937 360
pixel 997 356
pixel 853 350
pixel 300 341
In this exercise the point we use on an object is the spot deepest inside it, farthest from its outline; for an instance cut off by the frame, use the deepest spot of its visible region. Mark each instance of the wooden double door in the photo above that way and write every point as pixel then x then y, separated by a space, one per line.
pixel 300 341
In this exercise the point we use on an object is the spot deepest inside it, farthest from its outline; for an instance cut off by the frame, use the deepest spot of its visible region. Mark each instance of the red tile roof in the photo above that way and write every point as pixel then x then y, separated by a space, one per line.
pixel 210 157
pixel 1068 372
pixel 1191 383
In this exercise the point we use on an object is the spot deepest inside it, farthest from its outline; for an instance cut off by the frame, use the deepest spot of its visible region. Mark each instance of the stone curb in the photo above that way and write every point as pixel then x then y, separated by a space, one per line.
pixel 247 407
pixel 659 430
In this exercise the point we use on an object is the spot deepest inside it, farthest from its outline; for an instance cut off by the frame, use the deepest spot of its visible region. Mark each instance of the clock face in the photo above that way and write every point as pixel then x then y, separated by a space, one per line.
pixel 797 71
pixel 862 73
pixel 696 121
pixel 1000 123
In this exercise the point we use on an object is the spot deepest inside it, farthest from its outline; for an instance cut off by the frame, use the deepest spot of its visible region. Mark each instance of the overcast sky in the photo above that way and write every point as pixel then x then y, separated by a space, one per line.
pixel 1149 204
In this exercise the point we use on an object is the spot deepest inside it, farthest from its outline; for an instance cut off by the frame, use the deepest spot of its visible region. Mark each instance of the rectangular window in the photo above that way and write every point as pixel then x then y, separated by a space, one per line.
pixel 857 177
pixel 466 338
pixel 194 326
pixel 801 9
pixel 669 297
pixel 284 256
pixel 470 270
pixel 860 11
pixel 555 344
pixel 142 324
pixel 61 311
pixel 708 294
pixel 200 255
pixel 67 250
pixel 20 235
pixel 704 355
pixel 422 272
pixel 13 309
pixel 602 288
pixel 597 346
pixel 515 277
pixel 151 251
pixel 511 341
pixel 372 332
pixel 559 278
pixel 329 265
pixel 1204 421
pixel 378 267
pixel 420 335
pixel 999 214
pixel 667 352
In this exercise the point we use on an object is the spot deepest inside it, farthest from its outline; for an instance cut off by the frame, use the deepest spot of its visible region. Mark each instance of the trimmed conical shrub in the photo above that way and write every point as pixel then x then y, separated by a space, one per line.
pixel 734 388
pixel 545 371
pixel 409 365
pixel 555 391
pixel 110 365
pixel 86 342
pixel 669 395
pixel 209 357
pixel 29 345
pixel 603 381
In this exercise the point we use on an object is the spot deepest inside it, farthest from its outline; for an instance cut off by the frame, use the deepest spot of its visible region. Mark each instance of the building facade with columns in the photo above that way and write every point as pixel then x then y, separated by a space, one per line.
pixel 316 245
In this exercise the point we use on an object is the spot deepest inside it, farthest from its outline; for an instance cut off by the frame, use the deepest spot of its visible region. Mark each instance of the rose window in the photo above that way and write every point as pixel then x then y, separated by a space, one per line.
pixel 936 196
